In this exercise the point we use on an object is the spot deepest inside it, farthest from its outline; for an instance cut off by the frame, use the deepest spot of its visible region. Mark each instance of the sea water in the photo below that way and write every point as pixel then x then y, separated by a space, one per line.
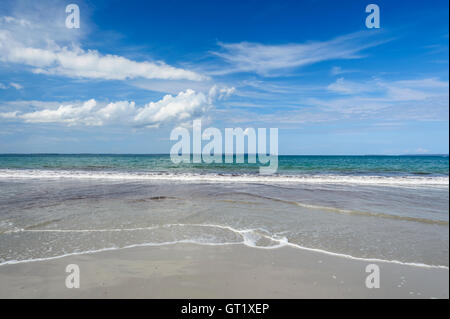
pixel 392 208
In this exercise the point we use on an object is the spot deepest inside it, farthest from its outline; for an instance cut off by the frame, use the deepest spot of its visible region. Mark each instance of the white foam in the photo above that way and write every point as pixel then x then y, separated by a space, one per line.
pixel 249 239
pixel 413 181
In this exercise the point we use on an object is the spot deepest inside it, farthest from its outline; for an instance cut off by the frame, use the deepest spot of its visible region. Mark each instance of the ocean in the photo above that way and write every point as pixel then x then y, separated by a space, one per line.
pixel 380 208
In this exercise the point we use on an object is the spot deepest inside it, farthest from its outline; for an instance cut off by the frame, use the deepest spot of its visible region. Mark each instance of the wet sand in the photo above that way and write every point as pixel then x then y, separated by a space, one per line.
pixel 233 271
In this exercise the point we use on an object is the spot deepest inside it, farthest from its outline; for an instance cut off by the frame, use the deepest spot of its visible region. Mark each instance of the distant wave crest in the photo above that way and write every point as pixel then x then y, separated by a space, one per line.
pixel 439 181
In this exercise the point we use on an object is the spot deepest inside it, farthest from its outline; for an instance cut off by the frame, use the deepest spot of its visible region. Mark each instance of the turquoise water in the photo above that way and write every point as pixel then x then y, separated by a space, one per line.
pixel 339 165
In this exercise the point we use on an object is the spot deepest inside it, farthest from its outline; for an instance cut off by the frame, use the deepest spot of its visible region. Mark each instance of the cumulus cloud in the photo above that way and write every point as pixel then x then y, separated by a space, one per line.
pixel 220 93
pixel 70 114
pixel 171 108
pixel 264 59
pixel 181 107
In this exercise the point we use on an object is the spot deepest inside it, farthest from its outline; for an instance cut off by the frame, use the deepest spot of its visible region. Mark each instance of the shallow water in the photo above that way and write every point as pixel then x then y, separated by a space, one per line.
pixel 43 217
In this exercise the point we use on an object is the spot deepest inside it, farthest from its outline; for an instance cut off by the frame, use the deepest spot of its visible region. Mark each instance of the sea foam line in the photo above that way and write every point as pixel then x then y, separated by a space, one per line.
pixel 247 241
pixel 437 181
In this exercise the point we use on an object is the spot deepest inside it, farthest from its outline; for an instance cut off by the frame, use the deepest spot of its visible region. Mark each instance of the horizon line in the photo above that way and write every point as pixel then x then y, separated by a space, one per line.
pixel 87 153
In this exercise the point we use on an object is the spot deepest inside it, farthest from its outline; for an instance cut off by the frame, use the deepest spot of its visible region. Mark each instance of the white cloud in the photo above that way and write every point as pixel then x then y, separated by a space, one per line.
pixel 171 86
pixel 220 93
pixel 14 85
pixel 342 86
pixel 337 70
pixel 78 63
pixel 418 99
pixel 17 86
pixel 432 83
pixel 9 19
pixel 423 99
pixel 406 90
pixel 356 105
pixel 70 114
pixel 180 107
pixel 264 59
pixel 9 115
pixel 38 38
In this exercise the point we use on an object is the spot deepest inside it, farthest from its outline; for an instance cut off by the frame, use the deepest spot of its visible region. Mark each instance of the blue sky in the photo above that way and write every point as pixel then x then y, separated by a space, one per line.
pixel 134 70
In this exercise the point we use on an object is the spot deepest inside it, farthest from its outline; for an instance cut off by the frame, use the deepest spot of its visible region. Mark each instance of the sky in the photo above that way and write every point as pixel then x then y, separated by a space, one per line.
pixel 135 70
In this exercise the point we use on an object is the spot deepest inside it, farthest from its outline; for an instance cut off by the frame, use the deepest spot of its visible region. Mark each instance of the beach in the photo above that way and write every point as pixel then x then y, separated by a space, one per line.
pixel 235 149
pixel 199 271
pixel 192 232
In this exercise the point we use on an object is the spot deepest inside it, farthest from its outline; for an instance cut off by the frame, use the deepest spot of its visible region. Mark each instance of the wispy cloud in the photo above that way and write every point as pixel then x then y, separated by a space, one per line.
pixel 337 70
pixel 378 100
pixel 418 99
pixel 348 87
pixel 17 86
pixel 402 90
pixel 13 85
pixel 265 59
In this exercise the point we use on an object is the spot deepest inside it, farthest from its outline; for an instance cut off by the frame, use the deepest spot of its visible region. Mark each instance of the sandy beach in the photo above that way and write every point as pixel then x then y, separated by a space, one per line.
pixel 203 271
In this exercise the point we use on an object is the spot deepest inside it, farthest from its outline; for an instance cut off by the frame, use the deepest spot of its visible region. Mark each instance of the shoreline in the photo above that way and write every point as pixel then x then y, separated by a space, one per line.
pixel 189 242
pixel 186 270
